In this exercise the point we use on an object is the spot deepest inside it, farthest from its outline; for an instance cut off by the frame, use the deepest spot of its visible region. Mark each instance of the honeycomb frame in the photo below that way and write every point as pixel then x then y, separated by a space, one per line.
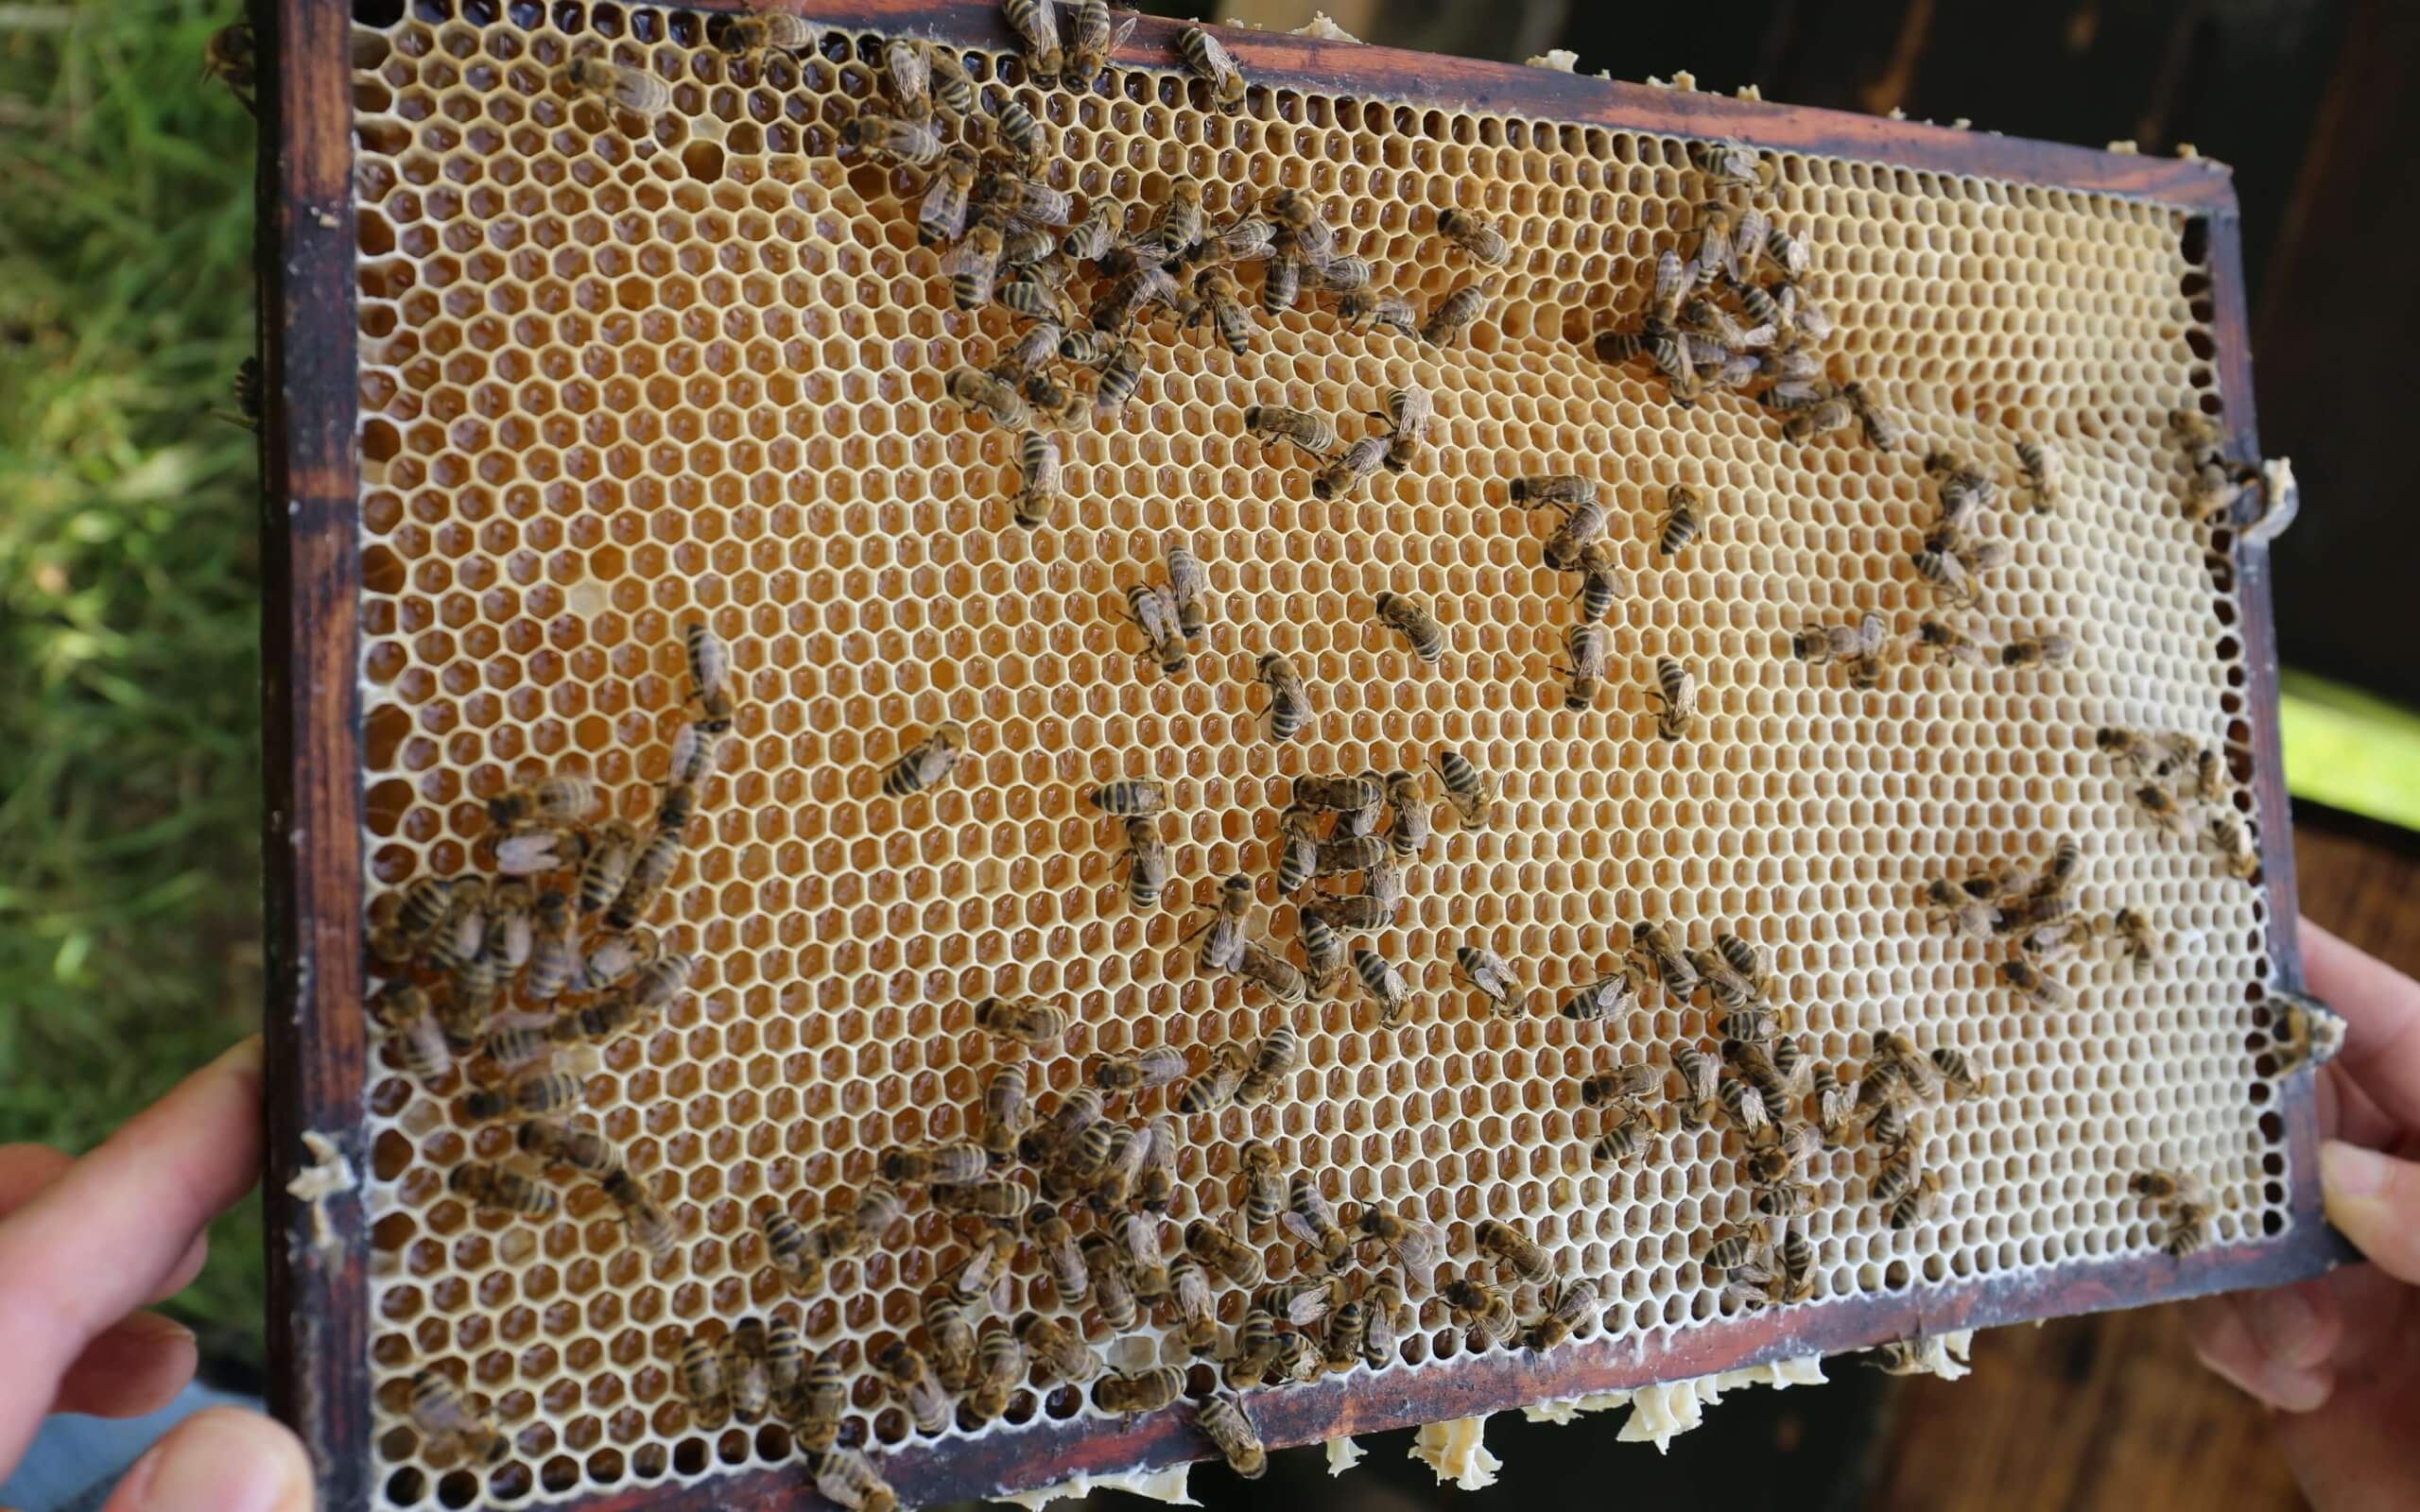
pixel 322 843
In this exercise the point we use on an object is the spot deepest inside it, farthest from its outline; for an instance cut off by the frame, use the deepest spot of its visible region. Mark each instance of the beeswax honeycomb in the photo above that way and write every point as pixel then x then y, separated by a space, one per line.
pixel 619 375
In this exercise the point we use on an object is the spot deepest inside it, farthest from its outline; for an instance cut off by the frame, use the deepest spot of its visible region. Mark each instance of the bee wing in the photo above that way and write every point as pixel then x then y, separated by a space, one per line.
pixel 1300 1227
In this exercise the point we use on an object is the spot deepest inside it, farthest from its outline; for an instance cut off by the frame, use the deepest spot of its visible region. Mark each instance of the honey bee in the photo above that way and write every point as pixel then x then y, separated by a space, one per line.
pixel 1680 523
pixel 2305 1031
pixel 1415 624
pixel 1112 1292
pixel 1367 307
pixel 1736 1246
pixel 2160 805
pixel 1664 958
pixel 1220 1251
pixel 848 1479
pixel 748 1379
pixel 1154 613
pixel 502 1190
pixel 1208 59
pixel 1917 1203
pixel 1821 415
pixel 978 392
pixel 703 1383
pixel 1090 240
pixel 986 1264
pixel 619 85
pixel 1309 1219
pixel 1222 304
pixel 1281 283
pixel 1456 313
pixel 2135 937
pixel 951 1335
pixel 1590 1002
pixel 2189 1229
pixel 1214 1086
pixel 1131 1393
pixel 788 1246
pixel 1007 1111
pixel 1482 241
pixel 560 800
pixel 1039 495
pixel 1125 300
pixel 1155 1067
pixel 1119 378
pixel 1036 24
pixel 911 1380
pixel 952 1163
pixel 1295 1358
pixel 1486 1312
pixel 581 1148
pixel 445 1414
pixel 1585 644
pixel 228 57
pixel 1017 131
pixel 1027 1022
pixel 1280 1055
pixel 1492 977
pixel 1062 1352
pixel 1349 853
pixel 1001 1199
pixel 1271 973
pixel 1700 1075
pixel 2028 979
pixel 1197 1310
pixel 2130 749
pixel 1881 430
pixel 1948 644
pixel 1225 1425
pixel 1574 1304
pixel 1264 1188
pixel 1350 468
pixel 1413 1244
pixel 2047 650
pixel 1383 981
pixel 911 144
pixel 1509 1244
pixel 1623 1138
pixel 1309 433
pixel 2226 834
pixel 1290 700
pixel 1131 798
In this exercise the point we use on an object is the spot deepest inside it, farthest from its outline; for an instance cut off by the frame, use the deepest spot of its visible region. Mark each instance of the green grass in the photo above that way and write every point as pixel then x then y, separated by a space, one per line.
pixel 129 741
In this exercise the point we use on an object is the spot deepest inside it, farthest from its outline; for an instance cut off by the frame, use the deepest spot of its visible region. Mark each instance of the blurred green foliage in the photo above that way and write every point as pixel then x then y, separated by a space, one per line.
pixel 130 742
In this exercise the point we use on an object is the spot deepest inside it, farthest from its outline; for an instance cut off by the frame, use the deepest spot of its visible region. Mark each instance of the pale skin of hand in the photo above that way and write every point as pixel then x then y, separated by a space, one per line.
pixel 2338 1358
pixel 86 1244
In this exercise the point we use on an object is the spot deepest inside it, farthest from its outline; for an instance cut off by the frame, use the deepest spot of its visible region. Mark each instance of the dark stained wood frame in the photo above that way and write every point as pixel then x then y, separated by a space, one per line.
pixel 313 841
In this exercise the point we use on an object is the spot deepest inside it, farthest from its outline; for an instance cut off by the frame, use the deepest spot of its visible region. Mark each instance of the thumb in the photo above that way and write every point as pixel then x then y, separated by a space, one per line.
pixel 2374 1200
pixel 221 1459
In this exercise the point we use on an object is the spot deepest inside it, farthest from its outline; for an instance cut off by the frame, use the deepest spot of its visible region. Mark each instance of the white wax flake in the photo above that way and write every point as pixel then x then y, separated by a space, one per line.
pixel 1323 28
pixel 1661 1414
pixel 2124 148
pixel 1343 1453
pixel 329 1174
pixel 2187 150
pixel 1749 91
pixel 1569 1408
pixel 1562 60
pixel 1160 1486
pixel 1962 122
pixel 2282 500
pixel 1455 1453
pixel 1897 115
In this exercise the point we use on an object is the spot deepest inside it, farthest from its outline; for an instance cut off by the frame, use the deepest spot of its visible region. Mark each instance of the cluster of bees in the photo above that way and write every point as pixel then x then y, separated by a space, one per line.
pixel 505 976
pixel 517 979
pixel 2178 774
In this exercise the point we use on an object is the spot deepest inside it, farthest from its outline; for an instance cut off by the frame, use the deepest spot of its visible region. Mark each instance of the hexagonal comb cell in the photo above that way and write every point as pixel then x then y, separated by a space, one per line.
pixel 653 349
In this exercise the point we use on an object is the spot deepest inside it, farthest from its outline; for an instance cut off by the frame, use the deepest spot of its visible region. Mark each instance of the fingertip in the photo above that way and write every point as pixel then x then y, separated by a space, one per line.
pixel 2225 1340
pixel 221 1459
pixel 136 1367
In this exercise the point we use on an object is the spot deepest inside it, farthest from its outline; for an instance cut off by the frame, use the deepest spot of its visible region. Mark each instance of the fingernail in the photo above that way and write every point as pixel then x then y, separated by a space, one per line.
pixel 2350 1170
pixel 243 1057
pixel 208 1466
pixel 2282 1324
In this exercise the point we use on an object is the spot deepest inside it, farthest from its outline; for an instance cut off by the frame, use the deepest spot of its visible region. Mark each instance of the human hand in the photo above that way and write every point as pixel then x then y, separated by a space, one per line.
pixel 2338 1356
pixel 84 1243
